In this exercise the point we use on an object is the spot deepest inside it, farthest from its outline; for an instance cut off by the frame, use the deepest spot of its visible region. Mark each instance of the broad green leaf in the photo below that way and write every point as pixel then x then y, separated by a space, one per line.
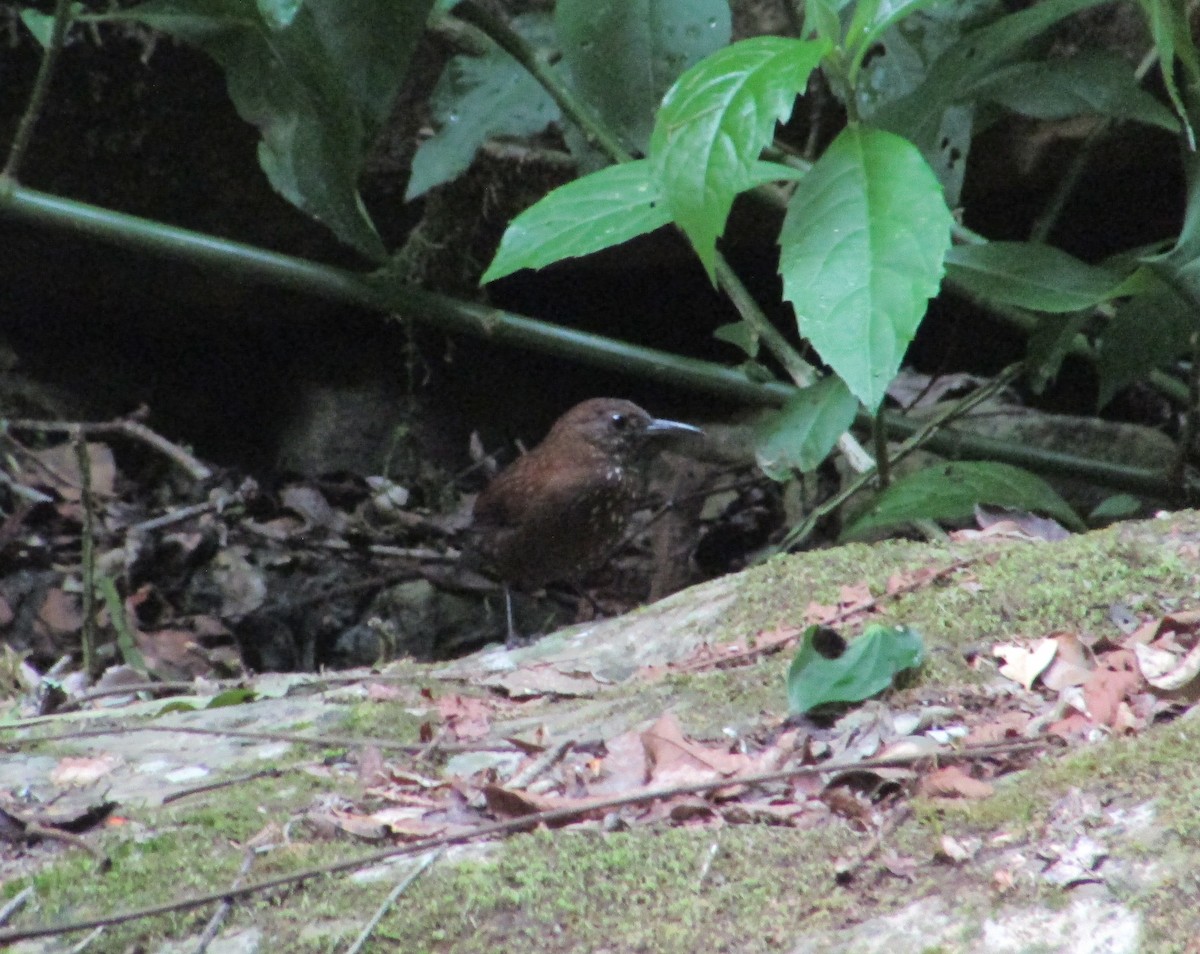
pixel 596 212
pixel 1173 38
pixel 861 253
pixel 318 89
pixel 951 491
pixel 623 55
pixel 1030 275
pixel 714 123
pixel 801 434
pixel 1099 84
pixel 476 98
pixel 1148 332
pixel 822 21
pixel 934 113
pixel 866 668
pixel 593 213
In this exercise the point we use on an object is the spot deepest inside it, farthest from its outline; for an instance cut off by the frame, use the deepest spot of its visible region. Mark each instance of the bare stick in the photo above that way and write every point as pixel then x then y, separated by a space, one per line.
pixel 127 427
pixel 222 912
pixel 413 875
pixel 524 823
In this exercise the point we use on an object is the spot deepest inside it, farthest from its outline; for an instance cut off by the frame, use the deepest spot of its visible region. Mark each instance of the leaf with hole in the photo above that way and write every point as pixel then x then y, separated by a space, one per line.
pixel 866 667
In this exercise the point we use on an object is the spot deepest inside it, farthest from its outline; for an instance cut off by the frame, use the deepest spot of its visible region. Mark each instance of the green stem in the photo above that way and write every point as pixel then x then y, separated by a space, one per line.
pixel 515 45
pixel 37 98
pixel 493 324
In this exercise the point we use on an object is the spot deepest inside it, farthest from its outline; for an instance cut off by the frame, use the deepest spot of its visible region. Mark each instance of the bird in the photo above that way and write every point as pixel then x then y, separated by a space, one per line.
pixel 557 512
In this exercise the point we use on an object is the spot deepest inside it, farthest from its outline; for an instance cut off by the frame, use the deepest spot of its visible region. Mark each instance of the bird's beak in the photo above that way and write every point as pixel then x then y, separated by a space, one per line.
pixel 660 427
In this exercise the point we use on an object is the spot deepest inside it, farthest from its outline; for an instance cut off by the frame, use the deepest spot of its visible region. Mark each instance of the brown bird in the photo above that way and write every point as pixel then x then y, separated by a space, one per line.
pixel 557 512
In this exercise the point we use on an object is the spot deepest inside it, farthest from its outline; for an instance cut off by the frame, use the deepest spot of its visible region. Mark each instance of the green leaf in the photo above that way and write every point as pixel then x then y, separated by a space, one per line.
pixel 318 89
pixel 623 55
pixel 1030 275
pixel 1049 345
pixel 596 212
pixel 1173 37
pixel 279 14
pixel 41 25
pixel 951 491
pixel 866 668
pixel 593 213
pixel 232 697
pixel 1090 84
pixel 802 433
pixel 740 334
pixel 821 20
pixel 1116 507
pixel 1148 332
pixel 935 114
pixel 714 123
pixel 861 254
pixel 476 98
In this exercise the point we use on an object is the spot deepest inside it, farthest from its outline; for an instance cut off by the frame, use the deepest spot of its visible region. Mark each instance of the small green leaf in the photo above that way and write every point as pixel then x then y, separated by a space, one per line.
pixel 279 14
pixel 477 98
pixel 714 123
pixel 802 433
pixel 951 491
pixel 1049 345
pixel 41 25
pixel 866 668
pixel 741 334
pixel 231 697
pixel 1030 275
pixel 1089 84
pixel 623 55
pixel 1172 35
pixel 1116 507
pixel 861 254
pixel 593 213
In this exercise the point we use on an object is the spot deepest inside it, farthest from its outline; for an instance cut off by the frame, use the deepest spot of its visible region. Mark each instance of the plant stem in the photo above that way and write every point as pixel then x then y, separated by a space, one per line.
pixel 37 97
pixel 515 45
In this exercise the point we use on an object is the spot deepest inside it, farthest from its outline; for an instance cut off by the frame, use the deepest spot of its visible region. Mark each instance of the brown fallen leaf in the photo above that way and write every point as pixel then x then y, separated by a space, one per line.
pixel 953 782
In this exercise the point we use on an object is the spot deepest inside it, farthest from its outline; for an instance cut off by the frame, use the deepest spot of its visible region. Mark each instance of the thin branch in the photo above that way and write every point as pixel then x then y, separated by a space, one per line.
pixel 87 634
pixel 383 909
pixel 127 427
pixel 222 912
pixel 37 98
pixel 512 825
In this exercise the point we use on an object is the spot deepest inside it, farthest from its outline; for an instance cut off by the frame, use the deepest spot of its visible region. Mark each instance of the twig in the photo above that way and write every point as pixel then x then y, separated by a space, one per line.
pixel 922 435
pixel 413 875
pixel 127 427
pixel 317 740
pixel 222 912
pixel 223 783
pixel 37 98
pixel 524 823
pixel 15 905
pixel 87 633
pixel 86 942
pixel 541 764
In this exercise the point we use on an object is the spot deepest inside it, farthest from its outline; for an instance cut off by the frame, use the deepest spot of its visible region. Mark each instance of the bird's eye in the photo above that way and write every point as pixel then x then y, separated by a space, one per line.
pixel 620 421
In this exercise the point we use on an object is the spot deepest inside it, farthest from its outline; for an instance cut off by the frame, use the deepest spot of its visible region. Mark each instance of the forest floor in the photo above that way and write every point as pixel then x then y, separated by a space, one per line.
pixel 637 784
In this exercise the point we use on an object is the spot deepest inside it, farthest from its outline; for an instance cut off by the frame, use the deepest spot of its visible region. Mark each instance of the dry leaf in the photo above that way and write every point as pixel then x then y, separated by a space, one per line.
pixel 1023 664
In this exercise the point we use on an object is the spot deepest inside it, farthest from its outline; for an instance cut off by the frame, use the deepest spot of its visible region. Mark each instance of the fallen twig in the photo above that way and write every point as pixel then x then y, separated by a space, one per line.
pixel 127 427
pixel 413 875
pixel 524 823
